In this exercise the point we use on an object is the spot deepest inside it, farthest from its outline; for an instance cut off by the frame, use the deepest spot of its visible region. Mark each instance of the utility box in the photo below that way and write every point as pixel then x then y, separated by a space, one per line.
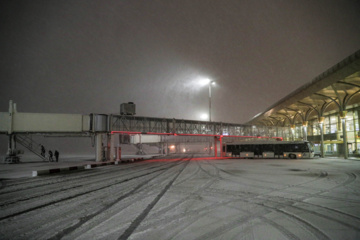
pixel 127 108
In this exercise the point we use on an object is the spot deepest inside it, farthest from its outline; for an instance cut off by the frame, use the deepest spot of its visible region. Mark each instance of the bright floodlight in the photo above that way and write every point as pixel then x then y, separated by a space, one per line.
pixel 204 116
pixel 204 81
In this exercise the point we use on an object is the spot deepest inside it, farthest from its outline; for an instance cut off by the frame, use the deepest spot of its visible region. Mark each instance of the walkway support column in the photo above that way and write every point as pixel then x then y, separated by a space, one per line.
pixel 305 125
pixel 118 153
pixel 11 145
pixel 209 148
pixel 215 146
pixel 221 146
pixel 140 146
pixel 112 147
pixel 321 124
pixel 343 121
pixel 98 147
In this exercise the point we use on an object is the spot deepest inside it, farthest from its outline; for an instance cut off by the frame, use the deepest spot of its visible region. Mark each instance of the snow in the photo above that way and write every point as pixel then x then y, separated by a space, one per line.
pixel 202 199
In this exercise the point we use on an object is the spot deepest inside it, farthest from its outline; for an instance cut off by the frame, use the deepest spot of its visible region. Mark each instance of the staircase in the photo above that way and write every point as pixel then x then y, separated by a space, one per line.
pixel 31 145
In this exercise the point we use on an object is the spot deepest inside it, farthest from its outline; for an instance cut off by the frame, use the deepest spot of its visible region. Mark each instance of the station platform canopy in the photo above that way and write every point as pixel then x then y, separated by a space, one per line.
pixel 335 90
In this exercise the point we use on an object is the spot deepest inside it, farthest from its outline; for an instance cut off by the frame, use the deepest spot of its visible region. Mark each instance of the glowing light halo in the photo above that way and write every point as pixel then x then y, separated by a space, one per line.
pixel 203 81
pixel 204 116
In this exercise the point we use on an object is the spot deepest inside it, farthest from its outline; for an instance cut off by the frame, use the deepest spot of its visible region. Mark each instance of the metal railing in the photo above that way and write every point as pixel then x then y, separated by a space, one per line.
pixel 127 123
pixel 31 145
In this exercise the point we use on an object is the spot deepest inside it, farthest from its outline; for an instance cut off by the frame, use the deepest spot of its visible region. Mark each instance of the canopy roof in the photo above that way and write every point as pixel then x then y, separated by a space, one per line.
pixel 335 90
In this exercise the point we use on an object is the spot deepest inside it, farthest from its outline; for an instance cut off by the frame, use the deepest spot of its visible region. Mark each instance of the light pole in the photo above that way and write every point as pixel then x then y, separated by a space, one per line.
pixel 210 83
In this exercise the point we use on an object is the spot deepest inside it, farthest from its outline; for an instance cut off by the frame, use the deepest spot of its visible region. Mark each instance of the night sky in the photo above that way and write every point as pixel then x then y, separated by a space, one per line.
pixel 91 56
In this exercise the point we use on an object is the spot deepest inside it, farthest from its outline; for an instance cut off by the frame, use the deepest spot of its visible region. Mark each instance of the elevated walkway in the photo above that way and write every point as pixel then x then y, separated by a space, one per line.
pixel 19 126
pixel 167 126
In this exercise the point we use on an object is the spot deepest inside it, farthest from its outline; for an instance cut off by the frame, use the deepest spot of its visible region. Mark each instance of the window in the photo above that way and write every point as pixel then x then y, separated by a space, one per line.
pixel 316 130
pixel 327 129
pixel 333 119
pixel 349 125
pixel 333 128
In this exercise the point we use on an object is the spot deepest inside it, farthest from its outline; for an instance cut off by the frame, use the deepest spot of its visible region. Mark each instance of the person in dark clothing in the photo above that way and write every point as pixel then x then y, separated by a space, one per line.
pixel 50 156
pixel 56 155
pixel 42 150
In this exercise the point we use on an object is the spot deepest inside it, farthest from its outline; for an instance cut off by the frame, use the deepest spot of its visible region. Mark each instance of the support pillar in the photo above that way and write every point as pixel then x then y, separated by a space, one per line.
pixel 140 147
pixel 112 147
pixel 343 121
pixel 98 147
pixel 177 148
pixel 11 145
pixel 305 125
pixel 209 148
pixel 355 132
pixel 321 124
pixel 118 153
pixel 221 147
pixel 215 145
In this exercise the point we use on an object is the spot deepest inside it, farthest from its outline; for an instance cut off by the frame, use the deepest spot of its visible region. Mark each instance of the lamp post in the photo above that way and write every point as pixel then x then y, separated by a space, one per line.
pixel 210 83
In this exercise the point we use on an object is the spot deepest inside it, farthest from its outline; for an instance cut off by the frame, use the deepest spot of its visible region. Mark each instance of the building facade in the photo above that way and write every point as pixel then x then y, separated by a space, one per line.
pixel 324 111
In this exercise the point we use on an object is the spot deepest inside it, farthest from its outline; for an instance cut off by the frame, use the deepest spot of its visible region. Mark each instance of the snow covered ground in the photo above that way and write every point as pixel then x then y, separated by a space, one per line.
pixel 188 199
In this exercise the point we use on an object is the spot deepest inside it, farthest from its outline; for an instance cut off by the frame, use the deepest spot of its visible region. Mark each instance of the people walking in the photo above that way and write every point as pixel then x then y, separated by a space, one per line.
pixel 42 150
pixel 56 155
pixel 51 156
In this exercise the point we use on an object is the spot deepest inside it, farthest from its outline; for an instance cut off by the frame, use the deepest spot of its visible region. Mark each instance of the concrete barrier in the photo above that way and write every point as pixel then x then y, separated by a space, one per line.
pixel 94 165
pixel 131 159
pixel 82 167
pixel 56 170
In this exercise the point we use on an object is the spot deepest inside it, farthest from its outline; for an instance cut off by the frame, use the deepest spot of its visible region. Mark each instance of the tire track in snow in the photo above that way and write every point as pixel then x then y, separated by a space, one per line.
pixel 194 192
pixel 85 219
pixel 321 175
pixel 147 210
pixel 329 216
pixel 58 179
pixel 351 178
pixel 280 228
pixel 104 177
pixel 316 232
pixel 316 213
pixel 80 194
pixel 265 198
pixel 305 224
pixel 353 188
pixel 217 232
pixel 143 193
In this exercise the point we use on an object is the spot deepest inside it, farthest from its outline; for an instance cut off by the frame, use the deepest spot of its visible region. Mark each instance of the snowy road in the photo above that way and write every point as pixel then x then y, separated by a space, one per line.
pixel 188 199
